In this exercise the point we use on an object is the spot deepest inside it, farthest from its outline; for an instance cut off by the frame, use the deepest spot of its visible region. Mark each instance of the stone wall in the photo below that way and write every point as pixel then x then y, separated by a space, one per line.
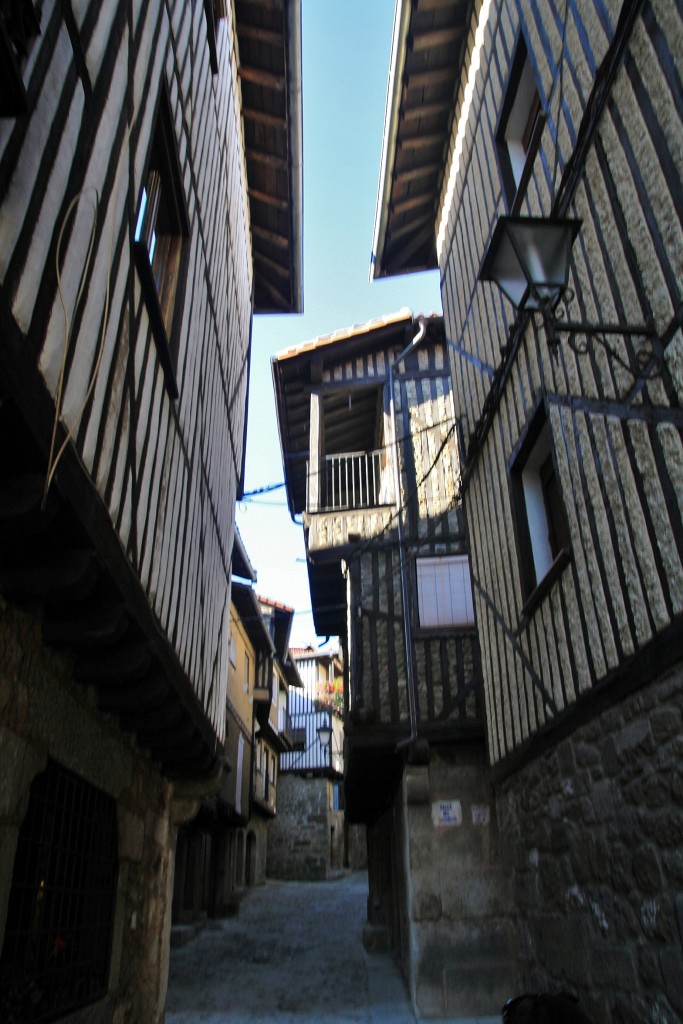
pixel 593 835
pixel 301 844
pixel 44 714
pixel 458 898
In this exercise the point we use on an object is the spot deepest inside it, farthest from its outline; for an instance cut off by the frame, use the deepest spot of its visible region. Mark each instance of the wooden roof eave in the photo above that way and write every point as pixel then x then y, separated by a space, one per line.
pixel 400 115
pixel 287 298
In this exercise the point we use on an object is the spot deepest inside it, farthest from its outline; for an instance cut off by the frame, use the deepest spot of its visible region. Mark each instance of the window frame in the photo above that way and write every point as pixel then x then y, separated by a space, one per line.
pixel 457 558
pixel 165 327
pixel 514 187
pixel 538 567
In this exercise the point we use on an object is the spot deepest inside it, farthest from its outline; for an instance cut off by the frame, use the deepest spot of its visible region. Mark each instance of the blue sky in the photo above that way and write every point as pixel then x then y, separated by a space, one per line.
pixel 346 52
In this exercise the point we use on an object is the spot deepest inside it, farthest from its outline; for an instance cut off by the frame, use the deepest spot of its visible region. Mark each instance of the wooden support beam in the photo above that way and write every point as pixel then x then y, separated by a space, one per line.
pixel 21 512
pixel 266 79
pixel 423 79
pixel 270 237
pixel 271 264
pixel 279 299
pixel 263 117
pixel 437 37
pixel 149 692
pixel 68 575
pixel 260 35
pixel 421 141
pixel 412 113
pixel 126 665
pixel 410 227
pixel 268 199
pixel 88 626
pixel 412 203
pixel 269 159
pixel 416 173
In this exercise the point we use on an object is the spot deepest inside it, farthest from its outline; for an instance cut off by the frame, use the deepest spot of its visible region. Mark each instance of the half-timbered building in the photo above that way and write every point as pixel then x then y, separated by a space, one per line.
pixel 516 134
pixel 371 451
pixel 150 200
pixel 308 839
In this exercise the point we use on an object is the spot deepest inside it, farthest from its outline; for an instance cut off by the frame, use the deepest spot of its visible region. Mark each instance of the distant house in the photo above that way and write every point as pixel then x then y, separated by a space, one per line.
pixel 223 850
pixel 141 224
pixel 532 154
pixel 373 463
pixel 309 839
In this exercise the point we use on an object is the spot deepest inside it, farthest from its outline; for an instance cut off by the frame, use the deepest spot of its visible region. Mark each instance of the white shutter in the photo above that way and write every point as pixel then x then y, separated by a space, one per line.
pixel 444 592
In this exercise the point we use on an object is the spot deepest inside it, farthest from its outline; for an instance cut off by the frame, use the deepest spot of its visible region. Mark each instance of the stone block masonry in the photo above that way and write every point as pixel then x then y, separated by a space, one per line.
pixel 592 833
pixel 305 839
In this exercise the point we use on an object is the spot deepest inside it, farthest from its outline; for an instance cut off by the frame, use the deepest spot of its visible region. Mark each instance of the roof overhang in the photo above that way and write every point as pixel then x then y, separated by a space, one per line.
pixel 269 48
pixel 249 610
pixel 428 50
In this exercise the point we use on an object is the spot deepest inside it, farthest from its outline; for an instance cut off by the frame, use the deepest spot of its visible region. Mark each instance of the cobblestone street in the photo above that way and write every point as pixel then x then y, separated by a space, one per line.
pixel 294 953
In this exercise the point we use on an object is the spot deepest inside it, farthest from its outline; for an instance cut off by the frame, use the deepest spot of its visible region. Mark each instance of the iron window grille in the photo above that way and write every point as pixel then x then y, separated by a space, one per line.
pixel 57 946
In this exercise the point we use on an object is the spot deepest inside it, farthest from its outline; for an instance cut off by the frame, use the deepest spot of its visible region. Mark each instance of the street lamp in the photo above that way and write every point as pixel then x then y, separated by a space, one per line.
pixel 325 734
pixel 528 258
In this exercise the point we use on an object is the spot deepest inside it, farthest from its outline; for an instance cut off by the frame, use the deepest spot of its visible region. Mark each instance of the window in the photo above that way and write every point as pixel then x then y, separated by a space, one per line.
pixel 542 531
pixel 60 914
pixel 247 672
pixel 233 651
pixel 160 230
pixel 444 592
pixel 520 127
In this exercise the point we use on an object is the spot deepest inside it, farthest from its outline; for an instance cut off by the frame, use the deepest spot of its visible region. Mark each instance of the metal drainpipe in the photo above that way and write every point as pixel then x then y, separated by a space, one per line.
pixel 405 582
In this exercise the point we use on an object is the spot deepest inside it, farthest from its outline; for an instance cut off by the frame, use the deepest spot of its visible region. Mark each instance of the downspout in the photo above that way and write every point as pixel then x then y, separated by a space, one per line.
pixel 405 580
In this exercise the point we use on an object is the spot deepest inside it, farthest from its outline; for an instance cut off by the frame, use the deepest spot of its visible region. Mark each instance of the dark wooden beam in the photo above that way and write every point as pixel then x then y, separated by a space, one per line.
pixel 266 79
pixel 412 113
pixel 419 239
pixel 269 159
pixel 127 664
pixel 263 117
pixel 270 237
pixel 21 514
pixel 87 626
pixel 410 227
pixel 412 203
pixel 280 300
pixel 437 37
pixel 422 79
pixel 421 141
pixel 268 199
pixel 67 575
pixel 266 261
pixel 260 35
pixel 417 173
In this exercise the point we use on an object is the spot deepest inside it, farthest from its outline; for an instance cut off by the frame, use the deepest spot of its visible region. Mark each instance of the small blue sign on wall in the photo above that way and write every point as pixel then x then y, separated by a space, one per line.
pixel 446 813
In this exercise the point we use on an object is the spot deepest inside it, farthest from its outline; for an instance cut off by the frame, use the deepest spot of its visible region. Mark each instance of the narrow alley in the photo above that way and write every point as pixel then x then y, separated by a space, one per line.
pixel 293 953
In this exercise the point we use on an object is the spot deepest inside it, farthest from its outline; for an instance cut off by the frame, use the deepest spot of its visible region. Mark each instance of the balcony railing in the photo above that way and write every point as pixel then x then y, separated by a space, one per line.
pixel 353 480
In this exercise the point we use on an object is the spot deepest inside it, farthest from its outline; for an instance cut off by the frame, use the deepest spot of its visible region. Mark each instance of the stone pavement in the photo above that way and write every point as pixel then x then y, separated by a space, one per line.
pixel 293 954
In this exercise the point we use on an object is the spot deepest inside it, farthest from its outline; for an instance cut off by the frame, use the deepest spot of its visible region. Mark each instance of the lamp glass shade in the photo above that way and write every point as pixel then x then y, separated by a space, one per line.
pixel 324 735
pixel 528 258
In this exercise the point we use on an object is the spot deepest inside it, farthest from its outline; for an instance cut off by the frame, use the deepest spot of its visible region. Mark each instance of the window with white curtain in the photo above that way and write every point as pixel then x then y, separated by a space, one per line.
pixel 444 592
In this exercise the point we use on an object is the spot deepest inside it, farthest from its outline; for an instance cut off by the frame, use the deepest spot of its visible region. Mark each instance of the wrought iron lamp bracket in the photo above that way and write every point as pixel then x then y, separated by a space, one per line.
pixel 646 362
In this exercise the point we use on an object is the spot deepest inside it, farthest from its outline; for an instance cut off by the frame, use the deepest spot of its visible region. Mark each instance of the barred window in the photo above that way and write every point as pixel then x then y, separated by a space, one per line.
pixel 60 915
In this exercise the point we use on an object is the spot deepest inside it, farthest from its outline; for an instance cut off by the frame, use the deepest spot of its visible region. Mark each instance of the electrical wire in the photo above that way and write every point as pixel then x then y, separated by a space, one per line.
pixel 55 457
